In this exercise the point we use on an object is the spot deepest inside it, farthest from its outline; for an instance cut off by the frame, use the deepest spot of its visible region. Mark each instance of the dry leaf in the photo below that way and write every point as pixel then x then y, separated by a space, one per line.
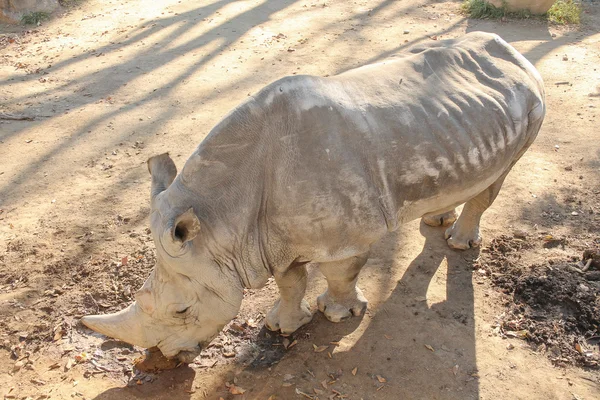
pixel 318 391
pixel 124 260
pixel 58 335
pixel 334 343
pixel 354 371
pixel 428 347
pixel 236 390
pixel 300 392
pixel 324 384
pixel 319 349
pixel 381 379
pixel 455 369
pixel 578 348
pixel 329 355
pixel 295 342
pixel 286 384
pixel 54 366
pixel 388 337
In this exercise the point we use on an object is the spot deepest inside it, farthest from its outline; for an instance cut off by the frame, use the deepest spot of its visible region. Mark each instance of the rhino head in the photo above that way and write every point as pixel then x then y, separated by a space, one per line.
pixel 190 296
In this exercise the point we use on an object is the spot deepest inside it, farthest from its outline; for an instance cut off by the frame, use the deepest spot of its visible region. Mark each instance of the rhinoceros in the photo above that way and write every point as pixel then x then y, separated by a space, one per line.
pixel 316 170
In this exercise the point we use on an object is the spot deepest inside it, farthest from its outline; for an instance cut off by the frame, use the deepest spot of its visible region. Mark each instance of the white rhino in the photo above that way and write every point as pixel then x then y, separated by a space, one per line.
pixel 318 169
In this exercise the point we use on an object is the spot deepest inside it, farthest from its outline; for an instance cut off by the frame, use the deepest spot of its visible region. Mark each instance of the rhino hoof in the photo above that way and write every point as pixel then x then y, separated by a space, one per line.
pixel 444 219
pixel 462 241
pixel 338 310
pixel 288 320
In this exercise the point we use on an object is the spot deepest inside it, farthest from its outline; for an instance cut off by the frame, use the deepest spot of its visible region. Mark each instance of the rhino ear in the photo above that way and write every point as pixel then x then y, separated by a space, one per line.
pixel 186 227
pixel 163 172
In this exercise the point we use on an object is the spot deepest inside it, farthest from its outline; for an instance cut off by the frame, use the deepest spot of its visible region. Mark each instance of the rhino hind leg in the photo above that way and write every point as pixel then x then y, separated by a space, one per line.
pixel 291 311
pixel 441 219
pixel 342 299
pixel 464 233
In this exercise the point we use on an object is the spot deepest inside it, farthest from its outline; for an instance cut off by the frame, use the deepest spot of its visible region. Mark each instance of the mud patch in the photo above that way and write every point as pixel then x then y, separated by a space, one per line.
pixel 554 305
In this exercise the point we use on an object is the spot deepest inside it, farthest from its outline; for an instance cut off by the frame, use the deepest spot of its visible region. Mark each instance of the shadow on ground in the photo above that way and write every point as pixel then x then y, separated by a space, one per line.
pixel 418 340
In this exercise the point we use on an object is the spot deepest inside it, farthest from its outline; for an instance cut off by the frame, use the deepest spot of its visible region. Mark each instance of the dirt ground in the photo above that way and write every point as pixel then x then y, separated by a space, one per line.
pixel 110 83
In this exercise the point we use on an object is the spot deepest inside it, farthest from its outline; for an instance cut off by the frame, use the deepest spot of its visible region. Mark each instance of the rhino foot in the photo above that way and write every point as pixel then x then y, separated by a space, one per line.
pixel 444 219
pixel 288 319
pixel 462 239
pixel 337 310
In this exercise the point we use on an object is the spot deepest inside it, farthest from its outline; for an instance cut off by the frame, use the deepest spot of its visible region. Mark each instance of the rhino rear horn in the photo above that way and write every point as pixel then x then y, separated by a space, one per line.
pixel 163 172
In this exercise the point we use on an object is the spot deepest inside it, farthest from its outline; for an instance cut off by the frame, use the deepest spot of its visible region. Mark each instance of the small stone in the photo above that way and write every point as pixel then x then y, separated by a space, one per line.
pixel 575 213
pixel 406 32
pixel 565 58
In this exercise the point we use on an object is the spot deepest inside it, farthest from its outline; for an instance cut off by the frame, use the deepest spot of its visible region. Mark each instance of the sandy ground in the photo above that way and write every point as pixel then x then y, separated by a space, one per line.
pixel 112 83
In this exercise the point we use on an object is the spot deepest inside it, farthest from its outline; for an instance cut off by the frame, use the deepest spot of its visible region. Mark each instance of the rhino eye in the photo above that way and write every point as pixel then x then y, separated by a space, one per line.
pixel 183 311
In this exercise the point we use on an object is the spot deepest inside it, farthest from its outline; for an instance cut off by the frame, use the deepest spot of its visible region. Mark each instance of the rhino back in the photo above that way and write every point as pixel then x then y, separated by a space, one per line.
pixel 338 161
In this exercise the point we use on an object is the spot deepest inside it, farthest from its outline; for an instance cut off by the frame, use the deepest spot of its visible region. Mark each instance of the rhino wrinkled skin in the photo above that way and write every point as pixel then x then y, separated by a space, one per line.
pixel 318 169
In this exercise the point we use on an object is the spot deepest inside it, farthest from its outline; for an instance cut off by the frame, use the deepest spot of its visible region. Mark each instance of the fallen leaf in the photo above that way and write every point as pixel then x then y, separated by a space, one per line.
pixel 354 371
pixel 428 347
pixel 455 369
pixel 300 392
pixel 54 366
pixel 388 337
pixel 251 323
pixel 381 379
pixel 319 349
pixel 324 384
pixel 578 348
pixel 295 342
pixel 318 391
pixel 288 377
pixel 236 390
pixel 124 260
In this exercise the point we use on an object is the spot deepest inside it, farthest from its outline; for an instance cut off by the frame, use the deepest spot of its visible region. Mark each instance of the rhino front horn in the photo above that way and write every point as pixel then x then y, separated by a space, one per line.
pixel 125 325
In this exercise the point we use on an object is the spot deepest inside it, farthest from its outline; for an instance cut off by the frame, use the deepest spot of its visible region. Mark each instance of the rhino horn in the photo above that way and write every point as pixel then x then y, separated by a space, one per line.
pixel 125 325
pixel 163 172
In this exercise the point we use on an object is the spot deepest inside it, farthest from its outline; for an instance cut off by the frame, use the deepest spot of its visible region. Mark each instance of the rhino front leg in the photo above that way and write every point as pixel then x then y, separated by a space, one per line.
pixel 464 233
pixel 291 311
pixel 342 298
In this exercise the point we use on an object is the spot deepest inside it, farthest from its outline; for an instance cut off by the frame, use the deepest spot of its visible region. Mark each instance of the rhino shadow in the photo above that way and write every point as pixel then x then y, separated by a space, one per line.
pixel 409 345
